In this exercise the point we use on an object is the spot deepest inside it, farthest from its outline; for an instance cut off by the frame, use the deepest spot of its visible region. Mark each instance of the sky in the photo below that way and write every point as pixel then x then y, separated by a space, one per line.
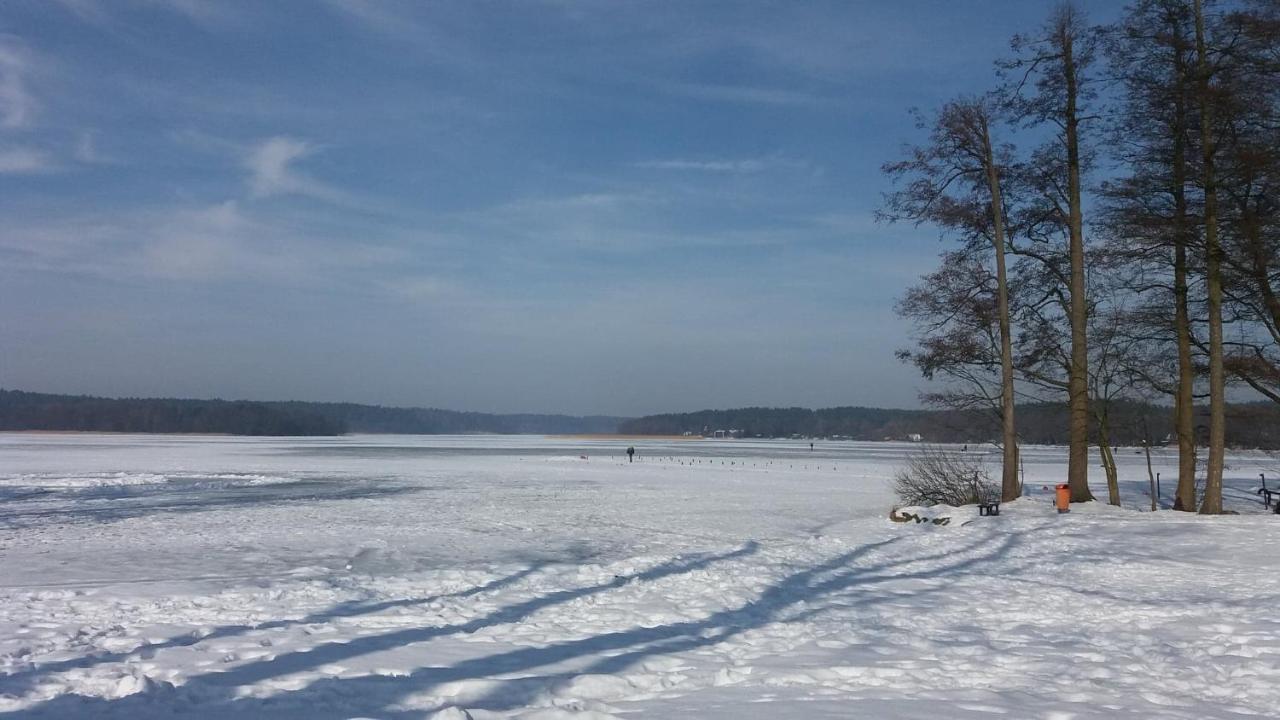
pixel 575 206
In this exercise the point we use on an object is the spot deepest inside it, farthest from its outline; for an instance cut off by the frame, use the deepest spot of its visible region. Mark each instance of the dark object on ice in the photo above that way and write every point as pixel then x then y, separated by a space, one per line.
pixel 810 446
pixel 991 509
pixel 901 517
pixel 631 454
pixel 1269 495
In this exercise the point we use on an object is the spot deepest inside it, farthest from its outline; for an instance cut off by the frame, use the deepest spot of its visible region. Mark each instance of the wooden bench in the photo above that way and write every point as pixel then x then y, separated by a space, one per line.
pixel 985 509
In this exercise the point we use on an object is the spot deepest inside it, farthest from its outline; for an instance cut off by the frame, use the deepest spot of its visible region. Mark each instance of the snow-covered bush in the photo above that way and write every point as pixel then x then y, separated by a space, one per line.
pixel 938 476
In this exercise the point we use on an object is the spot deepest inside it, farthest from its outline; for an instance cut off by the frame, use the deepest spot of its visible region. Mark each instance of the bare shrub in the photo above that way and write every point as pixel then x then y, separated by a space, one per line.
pixel 938 476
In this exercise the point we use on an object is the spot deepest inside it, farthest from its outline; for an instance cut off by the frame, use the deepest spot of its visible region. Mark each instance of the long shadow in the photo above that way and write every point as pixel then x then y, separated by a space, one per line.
pixel 804 587
pixel 221 686
pixel 325 699
pixel 337 651
pixel 20 682
pixel 126 506
pixel 641 643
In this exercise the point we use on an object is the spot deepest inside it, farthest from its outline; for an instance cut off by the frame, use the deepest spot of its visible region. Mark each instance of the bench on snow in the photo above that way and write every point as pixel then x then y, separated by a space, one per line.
pixel 990 508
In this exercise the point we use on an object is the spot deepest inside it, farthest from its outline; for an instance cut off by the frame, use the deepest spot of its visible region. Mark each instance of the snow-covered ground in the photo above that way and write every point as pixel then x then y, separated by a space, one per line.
pixel 494 577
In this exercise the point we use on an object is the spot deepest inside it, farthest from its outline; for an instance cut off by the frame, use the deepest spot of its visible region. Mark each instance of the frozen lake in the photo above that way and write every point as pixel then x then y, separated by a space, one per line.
pixel 520 576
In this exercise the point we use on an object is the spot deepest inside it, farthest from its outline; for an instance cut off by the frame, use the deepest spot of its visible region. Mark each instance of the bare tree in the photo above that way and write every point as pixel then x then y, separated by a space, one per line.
pixel 1212 502
pixel 1050 76
pixel 1147 215
pixel 1247 99
pixel 955 181
pixel 1116 359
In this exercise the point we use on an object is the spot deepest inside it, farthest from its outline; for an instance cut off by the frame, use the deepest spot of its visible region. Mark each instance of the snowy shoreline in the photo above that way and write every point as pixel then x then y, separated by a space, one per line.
pixel 504 576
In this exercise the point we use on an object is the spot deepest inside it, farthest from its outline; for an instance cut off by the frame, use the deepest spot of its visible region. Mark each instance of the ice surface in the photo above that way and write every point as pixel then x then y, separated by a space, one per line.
pixel 494 577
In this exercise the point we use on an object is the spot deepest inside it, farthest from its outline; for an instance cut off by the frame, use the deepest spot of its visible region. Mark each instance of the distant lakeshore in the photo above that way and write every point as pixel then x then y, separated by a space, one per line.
pixel 1257 425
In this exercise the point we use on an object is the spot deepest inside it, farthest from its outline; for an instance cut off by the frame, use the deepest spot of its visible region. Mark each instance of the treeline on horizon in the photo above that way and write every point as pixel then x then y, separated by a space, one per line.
pixel 21 410
pixel 1256 425
pixel 434 421
pixel 39 411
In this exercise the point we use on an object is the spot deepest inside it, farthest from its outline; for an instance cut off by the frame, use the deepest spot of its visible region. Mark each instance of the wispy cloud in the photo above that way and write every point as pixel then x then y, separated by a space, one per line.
pixel 747 94
pixel 203 13
pixel 271 172
pixel 422 288
pixel 377 16
pixel 743 165
pixel 15 161
pixel 90 11
pixel 17 105
pixel 86 150
pixel 209 242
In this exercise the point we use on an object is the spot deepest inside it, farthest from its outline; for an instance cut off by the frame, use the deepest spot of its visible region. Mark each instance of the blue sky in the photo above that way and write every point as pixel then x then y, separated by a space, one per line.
pixel 558 206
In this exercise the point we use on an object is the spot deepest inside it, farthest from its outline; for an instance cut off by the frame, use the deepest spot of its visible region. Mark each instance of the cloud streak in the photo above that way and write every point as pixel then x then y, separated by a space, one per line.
pixel 202 13
pixel 21 161
pixel 742 94
pixel 205 243
pixel 17 105
pixel 271 172
pixel 743 165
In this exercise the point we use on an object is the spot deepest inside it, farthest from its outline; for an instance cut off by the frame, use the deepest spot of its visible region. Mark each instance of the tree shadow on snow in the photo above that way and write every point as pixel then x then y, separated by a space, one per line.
pixel 844 580
pixel 214 695
pixel 106 505
pixel 21 682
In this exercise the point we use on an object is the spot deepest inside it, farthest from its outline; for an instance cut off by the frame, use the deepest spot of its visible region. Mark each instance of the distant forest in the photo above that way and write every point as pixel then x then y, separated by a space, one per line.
pixel 1255 425
pixel 38 411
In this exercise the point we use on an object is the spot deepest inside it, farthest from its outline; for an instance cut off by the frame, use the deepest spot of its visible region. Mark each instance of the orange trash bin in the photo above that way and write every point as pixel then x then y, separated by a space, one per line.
pixel 1064 498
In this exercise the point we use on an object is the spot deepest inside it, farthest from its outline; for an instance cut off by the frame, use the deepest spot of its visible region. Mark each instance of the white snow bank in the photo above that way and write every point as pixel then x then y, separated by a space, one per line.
pixel 422 581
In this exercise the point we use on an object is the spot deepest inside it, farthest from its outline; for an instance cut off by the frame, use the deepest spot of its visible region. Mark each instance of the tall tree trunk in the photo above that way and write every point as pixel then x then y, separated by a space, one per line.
pixel 1184 398
pixel 1108 457
pixel 1009 488
pixel 1212 503
pixel 1078 381
pixel 1151 475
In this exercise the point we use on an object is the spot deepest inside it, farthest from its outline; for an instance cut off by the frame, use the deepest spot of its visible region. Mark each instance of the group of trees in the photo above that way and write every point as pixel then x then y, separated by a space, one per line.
pixel 40 411
pixel 1255 425
pixel 1128 249
pixel 434 421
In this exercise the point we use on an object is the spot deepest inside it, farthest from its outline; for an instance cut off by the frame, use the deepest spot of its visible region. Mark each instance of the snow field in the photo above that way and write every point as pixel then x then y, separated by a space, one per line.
pixel 506 577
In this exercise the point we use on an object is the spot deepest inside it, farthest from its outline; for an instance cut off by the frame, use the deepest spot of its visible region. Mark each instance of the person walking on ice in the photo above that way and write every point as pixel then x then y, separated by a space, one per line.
pixel 631 454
